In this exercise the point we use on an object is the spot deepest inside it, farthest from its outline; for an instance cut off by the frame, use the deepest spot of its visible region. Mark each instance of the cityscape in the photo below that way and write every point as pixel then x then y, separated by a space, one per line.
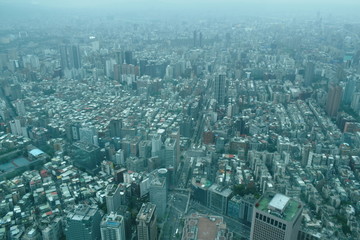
pixel 178 120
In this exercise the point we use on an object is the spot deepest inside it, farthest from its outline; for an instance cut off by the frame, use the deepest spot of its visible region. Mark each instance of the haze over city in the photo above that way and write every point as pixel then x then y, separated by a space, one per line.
pixel 169 119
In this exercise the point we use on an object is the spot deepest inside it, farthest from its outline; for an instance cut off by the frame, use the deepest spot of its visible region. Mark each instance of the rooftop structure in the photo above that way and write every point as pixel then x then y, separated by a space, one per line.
pixel 277 217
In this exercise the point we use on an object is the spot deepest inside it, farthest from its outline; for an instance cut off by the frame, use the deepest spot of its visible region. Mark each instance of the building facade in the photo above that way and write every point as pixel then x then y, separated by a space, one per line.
pixel 83 223
pixel 276 217
pixel 146 222
pixel 112 227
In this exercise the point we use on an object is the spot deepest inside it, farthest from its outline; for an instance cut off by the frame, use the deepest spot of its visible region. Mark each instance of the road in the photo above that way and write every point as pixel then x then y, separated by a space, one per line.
pixel 176 208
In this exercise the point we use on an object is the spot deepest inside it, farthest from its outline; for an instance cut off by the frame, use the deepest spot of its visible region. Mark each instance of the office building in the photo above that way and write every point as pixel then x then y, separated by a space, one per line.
pixel 114 196
pixel 218 197
pixel 85 155
pixel 70 57
pixel 241 208
pixel 309 73
pixel 83 223
pixel 220 85
pixel 156 144
pixel 75 57
pixel 112 227
pixel 52 231
pixel 146 222
pixel 129 57
pixel 350 89
pixel 170 157
pixel 333 100
pixel 276 217
pixel 158 191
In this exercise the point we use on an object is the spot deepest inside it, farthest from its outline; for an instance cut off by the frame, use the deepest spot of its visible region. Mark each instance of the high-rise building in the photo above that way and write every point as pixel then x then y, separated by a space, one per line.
pixel 75 57
pixel 70 57
pixel 333 100
pixel 129 57
pixel 113 198
pixel 276 217
pixel 64 57
pixel 158 191
pixel 219 93
pixel 241 208
pixel 146 222
pixel 85 155
pixel 170 152
pixel 195 38
pixel 200 39
pixel 83 223
pixel 349 91
pixel 309 73
pixel 355 102
pixel 115 127
pixel 52 231
pixel 112 227
pixel 218 198
pixel 156 144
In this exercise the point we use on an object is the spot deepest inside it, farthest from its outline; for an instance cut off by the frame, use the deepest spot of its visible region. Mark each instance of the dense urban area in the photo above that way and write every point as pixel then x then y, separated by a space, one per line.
pixel 147 129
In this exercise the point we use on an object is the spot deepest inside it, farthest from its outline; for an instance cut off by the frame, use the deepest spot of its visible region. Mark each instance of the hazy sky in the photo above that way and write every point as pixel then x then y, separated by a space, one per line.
pixel 273 7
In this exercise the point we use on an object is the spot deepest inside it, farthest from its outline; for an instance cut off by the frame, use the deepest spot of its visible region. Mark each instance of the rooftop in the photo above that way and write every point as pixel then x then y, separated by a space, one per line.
pixel 146 212
pixel 279 202
pixel 203 227
pixel 280 206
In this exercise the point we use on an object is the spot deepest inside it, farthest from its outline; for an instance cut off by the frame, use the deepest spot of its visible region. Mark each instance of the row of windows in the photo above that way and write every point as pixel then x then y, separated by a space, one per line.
pixel 270 221
pixel 263 231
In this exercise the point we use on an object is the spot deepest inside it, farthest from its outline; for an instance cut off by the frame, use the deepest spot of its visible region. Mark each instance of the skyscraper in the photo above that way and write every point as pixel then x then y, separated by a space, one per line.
pixel 70 57
pixel 115 127
pixel 309 73
pixel 276 217
pixel 170 152
pixel 349 91
pixel 219 93
pixel 83 223
pixel 146 222
pixel 75 57
pixel 113 198
pixel 129 57
pixel 158 191
pixel 195 38
pixel 112 227
pixel 333 100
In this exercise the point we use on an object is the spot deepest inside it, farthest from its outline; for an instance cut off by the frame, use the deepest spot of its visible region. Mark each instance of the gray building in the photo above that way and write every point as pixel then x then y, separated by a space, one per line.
pixel 146 222
pixel 158 192
pixel 220 85
pixel 276 217
pixel 112 227
pixel 218 197
pixel 241 208
pixel 83 223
